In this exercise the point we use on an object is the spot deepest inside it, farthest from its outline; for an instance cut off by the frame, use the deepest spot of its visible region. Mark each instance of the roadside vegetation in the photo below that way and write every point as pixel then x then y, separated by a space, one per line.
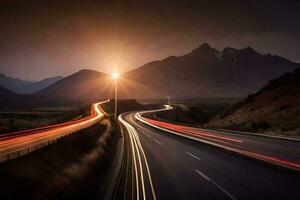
pixel 128 105
pixel 273 110
pixel 38 117
pixel 75 167
pixel 196 112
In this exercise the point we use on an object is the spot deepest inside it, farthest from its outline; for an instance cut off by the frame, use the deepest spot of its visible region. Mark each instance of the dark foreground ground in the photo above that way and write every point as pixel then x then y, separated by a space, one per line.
pixel 77 166
pixel 74 167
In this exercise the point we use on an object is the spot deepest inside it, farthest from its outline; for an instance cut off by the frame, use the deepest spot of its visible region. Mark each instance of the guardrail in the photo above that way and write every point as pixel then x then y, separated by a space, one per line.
pixel 14 145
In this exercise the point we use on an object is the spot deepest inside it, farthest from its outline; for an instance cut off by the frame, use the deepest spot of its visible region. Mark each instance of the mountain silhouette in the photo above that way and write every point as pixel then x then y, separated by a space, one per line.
pixel 10 99
pixel 84 84
pixel 204 72
pixel 207 72
pixel 26 87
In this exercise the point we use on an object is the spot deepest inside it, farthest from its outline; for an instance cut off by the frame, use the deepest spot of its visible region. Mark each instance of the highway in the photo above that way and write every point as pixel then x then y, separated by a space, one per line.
pixel 164 164
pixel 16 144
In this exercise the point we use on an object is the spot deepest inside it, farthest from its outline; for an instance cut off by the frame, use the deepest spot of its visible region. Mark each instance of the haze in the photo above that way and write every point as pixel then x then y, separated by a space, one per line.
pixel 48 38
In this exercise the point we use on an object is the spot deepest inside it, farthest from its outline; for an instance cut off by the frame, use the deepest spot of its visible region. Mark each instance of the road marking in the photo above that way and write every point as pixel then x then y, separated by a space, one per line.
pixel 158 142
pixel 149 136
pixel 138 154
pixel 215 184
pixel 141 168
pixel 192 155
pixel 145 159
pixel 135 166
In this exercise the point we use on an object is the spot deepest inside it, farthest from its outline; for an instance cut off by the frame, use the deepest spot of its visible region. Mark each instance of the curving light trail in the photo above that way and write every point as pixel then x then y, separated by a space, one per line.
pixel 19 143
pixel 141 168
pixel 228 143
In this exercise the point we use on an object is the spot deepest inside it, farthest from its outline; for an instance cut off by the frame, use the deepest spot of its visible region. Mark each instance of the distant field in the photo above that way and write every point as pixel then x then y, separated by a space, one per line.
pixel 38 117
pixel 196 111
pixel 193 101
pixel 126 105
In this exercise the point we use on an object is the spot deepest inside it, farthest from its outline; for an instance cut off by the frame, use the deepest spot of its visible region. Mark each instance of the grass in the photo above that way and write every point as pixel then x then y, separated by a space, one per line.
pixel 34 118
pixel 195 113
pixel 74 167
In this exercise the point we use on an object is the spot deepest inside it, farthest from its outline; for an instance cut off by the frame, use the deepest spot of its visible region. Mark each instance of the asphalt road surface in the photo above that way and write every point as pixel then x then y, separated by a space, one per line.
pixel 161 165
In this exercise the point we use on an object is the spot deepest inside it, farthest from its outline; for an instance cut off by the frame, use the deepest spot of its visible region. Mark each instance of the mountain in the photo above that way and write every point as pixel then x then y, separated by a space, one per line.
pixel 37 86
pixel 13 84
pixel 85 84
pixel 207 72
pixel 5 93
pixel 9 99
pixel 25 87
pixel 204 72
pixel 275 108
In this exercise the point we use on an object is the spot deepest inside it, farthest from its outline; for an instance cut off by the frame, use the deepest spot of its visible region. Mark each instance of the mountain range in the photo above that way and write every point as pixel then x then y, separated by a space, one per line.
pixel 204 72
pixel 26 87
pixel 207 72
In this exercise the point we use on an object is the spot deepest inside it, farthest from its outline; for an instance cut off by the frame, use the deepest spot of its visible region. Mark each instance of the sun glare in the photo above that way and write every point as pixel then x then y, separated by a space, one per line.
pixel 115 75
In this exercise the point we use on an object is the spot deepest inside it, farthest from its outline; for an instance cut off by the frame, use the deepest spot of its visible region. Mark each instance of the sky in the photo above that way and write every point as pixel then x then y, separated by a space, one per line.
pixel 40 38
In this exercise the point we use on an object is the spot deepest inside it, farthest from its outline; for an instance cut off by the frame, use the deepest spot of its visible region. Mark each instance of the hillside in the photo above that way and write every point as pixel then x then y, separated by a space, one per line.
pixel 9 99
pixel 39 85
pixel 85 84
pixel 207 72
pixel 275 108
pixel 13 84
pixel 26 87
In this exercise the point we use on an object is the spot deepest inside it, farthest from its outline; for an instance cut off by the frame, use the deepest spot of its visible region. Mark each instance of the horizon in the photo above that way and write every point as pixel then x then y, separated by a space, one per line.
pixel 43 39
pixel 147 62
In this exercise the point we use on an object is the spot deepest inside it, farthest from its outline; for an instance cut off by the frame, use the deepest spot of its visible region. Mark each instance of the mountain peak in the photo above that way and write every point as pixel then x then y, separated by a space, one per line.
pixel 205 47
pixel 170 58
pixel 86 71
pixel 249 49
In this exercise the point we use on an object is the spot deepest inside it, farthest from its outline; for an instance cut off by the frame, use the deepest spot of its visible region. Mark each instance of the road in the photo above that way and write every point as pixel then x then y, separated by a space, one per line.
pixel 282 152
pixel 16 144
pixel 162 165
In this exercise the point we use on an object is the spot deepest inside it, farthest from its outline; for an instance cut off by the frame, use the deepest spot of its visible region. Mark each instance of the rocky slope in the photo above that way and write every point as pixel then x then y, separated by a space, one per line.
pixel 275 108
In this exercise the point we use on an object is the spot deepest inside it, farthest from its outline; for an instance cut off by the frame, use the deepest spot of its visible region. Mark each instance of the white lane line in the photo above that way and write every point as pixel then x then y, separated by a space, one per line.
pixel 158 142
pixel 135 165
pixel 149 136
pixel 215 184
pixel 146 162
pixel 137 149
pixel 192 155
pixel 141 167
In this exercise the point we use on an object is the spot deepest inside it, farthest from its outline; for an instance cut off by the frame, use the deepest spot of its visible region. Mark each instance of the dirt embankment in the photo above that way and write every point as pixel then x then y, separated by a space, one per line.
pixel 275 109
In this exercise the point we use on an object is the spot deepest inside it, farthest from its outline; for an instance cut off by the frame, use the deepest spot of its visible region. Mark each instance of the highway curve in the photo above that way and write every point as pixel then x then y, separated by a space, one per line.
pixel 162 165
pixel 16 144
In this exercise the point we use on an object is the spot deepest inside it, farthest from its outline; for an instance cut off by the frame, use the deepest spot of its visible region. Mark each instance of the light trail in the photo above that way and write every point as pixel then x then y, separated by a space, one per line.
pixel 215 140
pixel 19 143
pixel 140 157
